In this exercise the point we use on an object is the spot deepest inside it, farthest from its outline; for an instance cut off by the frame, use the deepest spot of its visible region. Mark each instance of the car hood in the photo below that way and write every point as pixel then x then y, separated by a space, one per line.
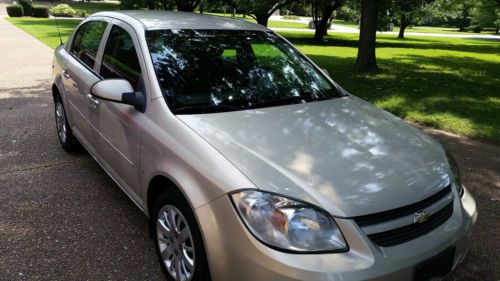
pixel 344 155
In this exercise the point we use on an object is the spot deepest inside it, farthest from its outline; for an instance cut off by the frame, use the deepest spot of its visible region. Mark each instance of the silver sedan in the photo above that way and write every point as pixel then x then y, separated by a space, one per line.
pixel 249 160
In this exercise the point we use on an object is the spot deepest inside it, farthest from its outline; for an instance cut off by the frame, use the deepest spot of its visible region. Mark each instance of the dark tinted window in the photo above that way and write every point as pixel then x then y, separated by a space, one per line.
pixel 120 58
pixel 202 71
pixel 87 40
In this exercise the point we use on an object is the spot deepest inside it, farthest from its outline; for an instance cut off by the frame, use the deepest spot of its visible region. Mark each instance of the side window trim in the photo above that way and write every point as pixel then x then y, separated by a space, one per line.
pixel 104 35
pixel 102 47
pixel 138 50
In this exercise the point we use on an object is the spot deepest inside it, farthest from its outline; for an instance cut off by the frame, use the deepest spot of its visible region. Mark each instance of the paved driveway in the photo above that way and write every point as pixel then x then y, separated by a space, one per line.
pixel 62 218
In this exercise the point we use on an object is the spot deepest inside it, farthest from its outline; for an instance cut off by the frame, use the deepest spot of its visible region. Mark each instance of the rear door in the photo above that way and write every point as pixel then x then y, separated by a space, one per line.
pixel 79 76
pixel 119 127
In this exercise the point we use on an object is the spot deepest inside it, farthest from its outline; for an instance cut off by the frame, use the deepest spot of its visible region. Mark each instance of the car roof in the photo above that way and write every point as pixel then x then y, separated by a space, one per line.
pixel 154 20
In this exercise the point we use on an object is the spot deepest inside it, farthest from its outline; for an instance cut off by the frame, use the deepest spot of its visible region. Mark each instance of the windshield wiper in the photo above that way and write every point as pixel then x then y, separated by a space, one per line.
pixel 205 108
pixel 286 101
pixel 236 105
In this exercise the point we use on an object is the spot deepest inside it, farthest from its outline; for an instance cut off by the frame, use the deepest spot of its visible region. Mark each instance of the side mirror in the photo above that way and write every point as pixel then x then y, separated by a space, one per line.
pixel 120 91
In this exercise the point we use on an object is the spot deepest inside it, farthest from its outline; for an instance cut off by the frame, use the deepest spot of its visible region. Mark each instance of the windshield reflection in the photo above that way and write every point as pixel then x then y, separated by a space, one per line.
pixel 203 71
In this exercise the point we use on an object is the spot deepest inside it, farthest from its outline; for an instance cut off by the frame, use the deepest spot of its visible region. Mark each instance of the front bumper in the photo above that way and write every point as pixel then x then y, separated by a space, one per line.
pixel 234 254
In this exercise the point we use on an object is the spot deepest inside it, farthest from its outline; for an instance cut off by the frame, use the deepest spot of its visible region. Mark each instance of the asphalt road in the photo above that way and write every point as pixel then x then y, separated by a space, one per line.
pixel 62 217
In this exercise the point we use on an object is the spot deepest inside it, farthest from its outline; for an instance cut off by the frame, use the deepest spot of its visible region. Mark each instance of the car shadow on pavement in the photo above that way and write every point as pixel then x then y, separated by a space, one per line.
pixel 61 216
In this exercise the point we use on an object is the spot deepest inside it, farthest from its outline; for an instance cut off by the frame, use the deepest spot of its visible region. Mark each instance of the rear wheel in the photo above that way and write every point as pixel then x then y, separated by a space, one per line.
pixel 66 138
pixel 178 241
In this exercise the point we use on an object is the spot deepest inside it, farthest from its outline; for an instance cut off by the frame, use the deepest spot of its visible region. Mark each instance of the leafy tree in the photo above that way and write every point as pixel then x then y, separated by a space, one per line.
pixel 181 5
pixel 487 14
pixel 348 12
pixel 300 8
pixel 497 22
pixel 409 12
pixel 217 6
pixel 366 60
pixel 322 12
pixel 385 15
pixel 261 10
pixel 457 13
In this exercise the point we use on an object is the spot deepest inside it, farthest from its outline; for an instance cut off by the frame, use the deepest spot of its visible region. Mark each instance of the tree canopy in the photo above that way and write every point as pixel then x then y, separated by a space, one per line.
pixel 261 10
pixel 487 14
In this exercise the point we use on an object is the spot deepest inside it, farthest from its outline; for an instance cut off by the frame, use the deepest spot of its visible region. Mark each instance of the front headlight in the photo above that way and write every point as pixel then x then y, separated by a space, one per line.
pixel 456 174
pixel 286 224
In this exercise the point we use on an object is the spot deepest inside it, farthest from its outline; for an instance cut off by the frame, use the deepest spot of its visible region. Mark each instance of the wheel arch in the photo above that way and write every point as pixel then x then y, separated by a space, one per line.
pixel 160 184
pixel 55 91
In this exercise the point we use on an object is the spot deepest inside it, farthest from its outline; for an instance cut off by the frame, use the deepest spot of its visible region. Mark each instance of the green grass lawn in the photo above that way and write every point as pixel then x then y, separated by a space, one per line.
pixel 447 83
pixel 45 30
pixel 345 23
pixel 441 30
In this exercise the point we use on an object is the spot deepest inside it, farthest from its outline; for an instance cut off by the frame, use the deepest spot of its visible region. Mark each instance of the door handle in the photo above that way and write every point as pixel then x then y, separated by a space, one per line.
pixel 93 102
pixel 66 74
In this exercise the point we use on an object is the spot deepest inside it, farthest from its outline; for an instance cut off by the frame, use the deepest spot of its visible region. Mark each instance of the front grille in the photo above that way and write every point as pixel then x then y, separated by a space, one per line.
pixel 403 211
pixel 412 231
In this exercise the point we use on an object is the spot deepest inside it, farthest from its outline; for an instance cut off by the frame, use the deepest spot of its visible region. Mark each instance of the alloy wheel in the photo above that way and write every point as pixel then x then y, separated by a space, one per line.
pixel 61 122
pixel 175 243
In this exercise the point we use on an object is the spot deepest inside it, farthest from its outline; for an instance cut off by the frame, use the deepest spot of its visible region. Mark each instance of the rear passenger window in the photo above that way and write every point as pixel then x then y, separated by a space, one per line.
pixel 86 42
pixel 120 58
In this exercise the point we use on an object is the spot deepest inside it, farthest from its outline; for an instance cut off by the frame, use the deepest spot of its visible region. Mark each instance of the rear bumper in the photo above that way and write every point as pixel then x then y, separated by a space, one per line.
pixel 234 254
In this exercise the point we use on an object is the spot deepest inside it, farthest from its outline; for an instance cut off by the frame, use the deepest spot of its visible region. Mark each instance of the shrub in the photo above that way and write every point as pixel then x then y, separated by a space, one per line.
pixel 40 11
pixel 27 6
pixel 15 11
pixel 63 10
pixel 131 4
pixel 348 14
pixel 291 17
pixel 82 13
pixel 300 10
pixel 475 28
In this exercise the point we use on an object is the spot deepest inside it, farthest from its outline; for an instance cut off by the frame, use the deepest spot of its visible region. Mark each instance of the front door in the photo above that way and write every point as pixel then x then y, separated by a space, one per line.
pixel 119 126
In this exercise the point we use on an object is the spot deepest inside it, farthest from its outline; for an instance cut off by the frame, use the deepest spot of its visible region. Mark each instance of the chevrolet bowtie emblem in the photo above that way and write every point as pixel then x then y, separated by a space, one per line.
pixel 420 217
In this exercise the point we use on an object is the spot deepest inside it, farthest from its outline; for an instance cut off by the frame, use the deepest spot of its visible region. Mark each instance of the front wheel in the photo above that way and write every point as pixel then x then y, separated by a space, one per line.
pixel 66 138
pixel 178 240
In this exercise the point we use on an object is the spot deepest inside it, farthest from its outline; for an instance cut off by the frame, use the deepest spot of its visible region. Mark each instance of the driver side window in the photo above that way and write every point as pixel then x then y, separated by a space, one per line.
pixel 120 58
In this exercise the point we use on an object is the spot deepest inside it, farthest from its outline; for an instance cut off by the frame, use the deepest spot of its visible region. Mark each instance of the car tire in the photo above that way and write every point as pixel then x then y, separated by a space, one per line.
pixel 66 138
pixel 174 248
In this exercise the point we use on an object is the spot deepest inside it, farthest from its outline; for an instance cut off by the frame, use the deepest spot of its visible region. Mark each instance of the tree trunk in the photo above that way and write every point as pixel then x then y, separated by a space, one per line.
pixel 321 29
pixel 366 60
pixel 233 9
pixel 262 19
pixel 322 26
pixel 187 5
pixel 402 28
pixel 151 4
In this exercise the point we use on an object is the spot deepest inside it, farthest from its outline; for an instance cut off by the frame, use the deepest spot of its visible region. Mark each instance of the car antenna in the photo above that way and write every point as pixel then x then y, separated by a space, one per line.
pixel 57 24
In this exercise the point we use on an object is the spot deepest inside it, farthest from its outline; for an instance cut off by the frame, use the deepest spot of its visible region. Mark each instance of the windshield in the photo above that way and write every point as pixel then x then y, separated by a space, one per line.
pixel 204 71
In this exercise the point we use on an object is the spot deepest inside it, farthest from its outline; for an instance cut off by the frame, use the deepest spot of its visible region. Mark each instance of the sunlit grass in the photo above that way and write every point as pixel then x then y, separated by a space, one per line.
pixel 45 30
